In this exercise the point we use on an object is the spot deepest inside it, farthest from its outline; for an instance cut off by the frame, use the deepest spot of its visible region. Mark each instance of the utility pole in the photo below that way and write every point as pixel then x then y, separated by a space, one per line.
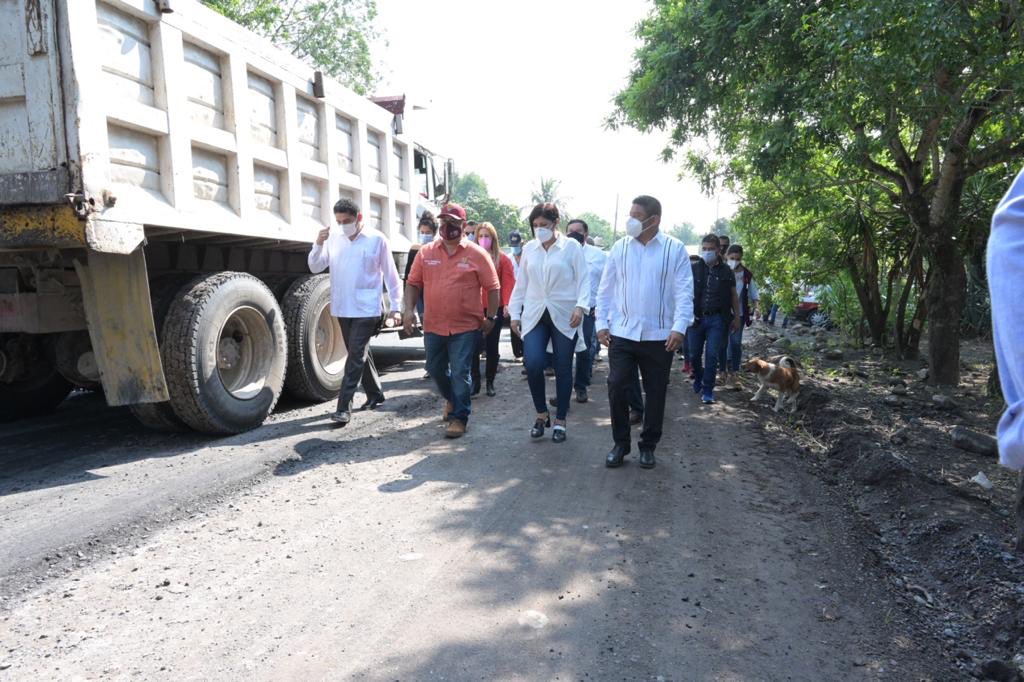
pixel 615 225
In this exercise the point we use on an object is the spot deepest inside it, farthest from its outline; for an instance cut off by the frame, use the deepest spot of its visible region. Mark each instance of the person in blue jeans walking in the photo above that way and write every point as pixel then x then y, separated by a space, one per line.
pixel 716 310
pixel 548 304
pixel 444 273
pixel 746 291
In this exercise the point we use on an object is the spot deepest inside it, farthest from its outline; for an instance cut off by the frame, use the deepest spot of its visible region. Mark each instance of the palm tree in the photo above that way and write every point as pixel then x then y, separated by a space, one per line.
pixel 547 192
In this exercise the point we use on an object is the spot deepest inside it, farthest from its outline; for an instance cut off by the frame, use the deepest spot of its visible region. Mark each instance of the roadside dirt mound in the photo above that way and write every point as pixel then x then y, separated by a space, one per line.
pixel 881 438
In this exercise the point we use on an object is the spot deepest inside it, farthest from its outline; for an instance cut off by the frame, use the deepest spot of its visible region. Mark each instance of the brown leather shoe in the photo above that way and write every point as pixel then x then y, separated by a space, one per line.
pixel 456 429
pixel 448 407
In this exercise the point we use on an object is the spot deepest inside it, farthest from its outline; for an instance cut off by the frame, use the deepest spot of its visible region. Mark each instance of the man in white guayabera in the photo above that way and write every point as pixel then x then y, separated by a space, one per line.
pixel 644 305
pixel 361 264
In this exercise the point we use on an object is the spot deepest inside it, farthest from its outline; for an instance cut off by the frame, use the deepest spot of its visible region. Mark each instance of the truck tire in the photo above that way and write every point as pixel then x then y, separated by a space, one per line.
pixel 35 395
pixel 161 416
pixel 316 349
pixel 224 353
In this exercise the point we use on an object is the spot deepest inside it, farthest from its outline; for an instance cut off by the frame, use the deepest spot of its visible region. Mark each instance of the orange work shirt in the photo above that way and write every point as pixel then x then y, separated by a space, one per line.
pixel 451 303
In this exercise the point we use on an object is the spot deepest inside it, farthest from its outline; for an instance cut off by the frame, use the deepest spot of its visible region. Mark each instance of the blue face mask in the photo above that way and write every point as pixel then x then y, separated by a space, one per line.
pixel 471 237
pixel 426 238
pixel 517 250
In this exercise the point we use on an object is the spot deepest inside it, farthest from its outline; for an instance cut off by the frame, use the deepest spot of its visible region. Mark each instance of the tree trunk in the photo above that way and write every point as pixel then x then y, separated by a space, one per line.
pixel 945 299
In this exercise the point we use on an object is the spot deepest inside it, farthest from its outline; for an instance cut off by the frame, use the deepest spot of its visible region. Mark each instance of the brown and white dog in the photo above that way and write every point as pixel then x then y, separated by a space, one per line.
pixel 779 373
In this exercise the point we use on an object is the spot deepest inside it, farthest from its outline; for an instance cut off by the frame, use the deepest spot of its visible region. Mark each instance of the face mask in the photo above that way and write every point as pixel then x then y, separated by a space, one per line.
pixel 517 250
pixel 578 236
pixel 471 237
pixel 733 263
pixel 349 228
pixel 449 231
pixel 710 256
pixel 635 227
pixel 485 243
pixel 426 238
pixel 543 234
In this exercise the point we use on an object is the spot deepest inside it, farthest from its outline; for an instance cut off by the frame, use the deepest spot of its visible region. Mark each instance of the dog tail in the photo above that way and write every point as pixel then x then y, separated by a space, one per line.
pixel 786 361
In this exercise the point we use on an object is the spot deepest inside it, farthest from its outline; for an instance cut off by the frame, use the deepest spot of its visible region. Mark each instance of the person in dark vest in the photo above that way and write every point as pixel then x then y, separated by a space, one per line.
pixel 716 311
pixel 746 291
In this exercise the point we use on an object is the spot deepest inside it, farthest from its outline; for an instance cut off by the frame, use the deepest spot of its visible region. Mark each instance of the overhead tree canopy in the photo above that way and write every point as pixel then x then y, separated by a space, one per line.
pixel 912 97
pixel 333 35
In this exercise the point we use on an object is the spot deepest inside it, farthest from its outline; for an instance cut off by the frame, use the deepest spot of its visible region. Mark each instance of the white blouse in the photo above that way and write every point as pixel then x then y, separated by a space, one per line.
pixel 556 280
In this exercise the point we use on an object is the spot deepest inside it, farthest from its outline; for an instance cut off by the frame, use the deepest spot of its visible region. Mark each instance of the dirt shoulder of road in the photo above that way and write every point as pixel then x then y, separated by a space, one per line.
pixel 873 431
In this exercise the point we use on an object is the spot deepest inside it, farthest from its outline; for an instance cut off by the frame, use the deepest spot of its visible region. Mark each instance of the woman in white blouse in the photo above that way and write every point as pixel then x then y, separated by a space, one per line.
pixel 547 306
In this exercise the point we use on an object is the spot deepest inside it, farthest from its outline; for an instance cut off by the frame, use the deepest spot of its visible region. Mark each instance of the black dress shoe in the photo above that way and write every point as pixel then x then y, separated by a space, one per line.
pixel 581 396
pixel 615 457
pixel 538 427
pixel 558 435
pixel 636 417
pixel 647 459
pixel 490 388
pixel 341 418
pixel 553 402
pixel 372 403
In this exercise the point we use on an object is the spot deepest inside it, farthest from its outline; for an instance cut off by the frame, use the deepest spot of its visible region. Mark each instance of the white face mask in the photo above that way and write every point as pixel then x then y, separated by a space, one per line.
pixel 733 263
pixel 543 234
pixel 635 227
pixel 349 228
pixel 710 256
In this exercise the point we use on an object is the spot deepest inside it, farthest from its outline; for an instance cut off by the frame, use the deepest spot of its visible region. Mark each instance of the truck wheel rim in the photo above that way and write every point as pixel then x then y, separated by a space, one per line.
pixel 245 353
pixel 330 346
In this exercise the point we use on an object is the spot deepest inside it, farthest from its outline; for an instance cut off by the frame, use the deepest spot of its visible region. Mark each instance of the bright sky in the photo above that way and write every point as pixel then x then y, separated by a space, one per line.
pixel 520 90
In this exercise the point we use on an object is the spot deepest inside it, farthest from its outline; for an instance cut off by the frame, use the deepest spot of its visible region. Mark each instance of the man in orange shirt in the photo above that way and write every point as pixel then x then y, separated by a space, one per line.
pixel 449 273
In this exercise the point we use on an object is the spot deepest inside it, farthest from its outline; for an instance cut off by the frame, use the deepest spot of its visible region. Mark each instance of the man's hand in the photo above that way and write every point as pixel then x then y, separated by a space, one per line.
pixel 604 337
pixel 397 317
pixel 507 314
pixel 517 328
pixel 737 324
pixel 322 236
pixel 674 342
pixel 577 317
pixel 407 322
pixel 487 326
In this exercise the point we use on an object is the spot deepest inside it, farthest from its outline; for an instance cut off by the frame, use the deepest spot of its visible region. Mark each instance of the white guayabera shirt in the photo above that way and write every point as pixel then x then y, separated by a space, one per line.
pixel 596 258
pixel 646 292
pixel 555 280
pixel 359 268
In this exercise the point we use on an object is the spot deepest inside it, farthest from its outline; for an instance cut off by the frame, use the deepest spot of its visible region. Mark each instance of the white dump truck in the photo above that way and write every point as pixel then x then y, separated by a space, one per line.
pixel 163 172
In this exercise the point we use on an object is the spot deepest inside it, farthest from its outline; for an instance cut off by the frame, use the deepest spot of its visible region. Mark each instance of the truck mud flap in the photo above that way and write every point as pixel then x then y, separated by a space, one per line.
pixel 115 291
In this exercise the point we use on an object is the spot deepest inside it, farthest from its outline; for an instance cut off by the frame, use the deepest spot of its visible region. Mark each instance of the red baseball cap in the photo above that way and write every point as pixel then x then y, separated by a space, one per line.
pixel 453 210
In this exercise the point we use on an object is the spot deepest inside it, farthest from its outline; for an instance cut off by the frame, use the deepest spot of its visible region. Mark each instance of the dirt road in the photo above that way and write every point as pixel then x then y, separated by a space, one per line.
pixel 383 551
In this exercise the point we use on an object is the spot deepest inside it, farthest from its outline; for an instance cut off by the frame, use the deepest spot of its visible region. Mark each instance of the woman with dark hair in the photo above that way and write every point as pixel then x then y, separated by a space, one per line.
pixel 487 239
pixel 547 306
pixel 426 232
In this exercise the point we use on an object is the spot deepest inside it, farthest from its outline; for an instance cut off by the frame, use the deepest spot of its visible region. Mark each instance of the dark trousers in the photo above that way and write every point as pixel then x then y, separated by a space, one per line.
pixel 448 363
pixel 625 357
pixel 488 345
pixel 357 332
pixel 585 358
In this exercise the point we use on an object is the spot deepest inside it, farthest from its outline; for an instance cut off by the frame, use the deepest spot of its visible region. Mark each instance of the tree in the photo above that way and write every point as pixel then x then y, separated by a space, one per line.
pixel 546 192
pixel 686 233
pixel 332 35
pixel 470 191
pixel 912 97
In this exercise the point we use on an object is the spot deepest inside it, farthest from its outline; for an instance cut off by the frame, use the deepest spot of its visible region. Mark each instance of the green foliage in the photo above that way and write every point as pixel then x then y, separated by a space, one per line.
pixel 686 233
pixel 852 128
pixel 333 35
pixel 547 191
pixel 470 191
pixel 598 227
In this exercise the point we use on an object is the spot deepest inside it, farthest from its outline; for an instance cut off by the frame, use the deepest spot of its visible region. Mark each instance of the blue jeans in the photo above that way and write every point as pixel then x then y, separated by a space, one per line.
pixel 585 358
pixel 705 339
pixel 735 349
pixel 455 352
pixel 770 318
pixel 535 354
